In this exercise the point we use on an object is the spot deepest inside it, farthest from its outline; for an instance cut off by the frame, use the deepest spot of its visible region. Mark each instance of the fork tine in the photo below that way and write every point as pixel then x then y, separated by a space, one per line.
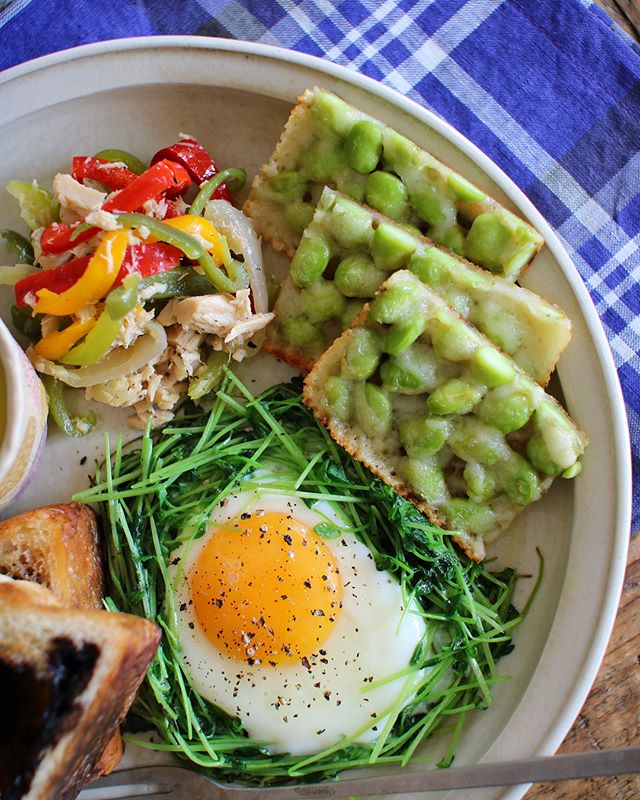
pixel 152 783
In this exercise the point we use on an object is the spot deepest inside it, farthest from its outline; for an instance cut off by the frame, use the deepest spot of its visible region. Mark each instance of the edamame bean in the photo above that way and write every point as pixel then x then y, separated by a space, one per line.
pixel 424 436
pixel 350 224
pixel 392 246
pixel 400 380
pixel 357 276
pixel 363 353
pixel 333 113
pixel 538 455
pixel 488 239
pixel 464 190
pixel 322 161
pixel 298 215
pixel 491 368
pixel 563 441
pixel 289 184
pixel 454 239
pixel 299 332
pixel 431 265
pixel 519 260
pixel 456 396
pixel 414 371
pixel 432 203
pixel 507 412
pixel 402 335
pixel 472 440
pixel 339 394
pixel 395 305
pixel 398 152
pixel 451 338
pixel 351 185
pixel 351 311
pixel 363 146
pixel 309 261
pixel 373 409
pixel 466 515
pixel 503 328
pixel 321 301
pixel 426 478
pixel 480 481
pixel 519 481
pixel 386 193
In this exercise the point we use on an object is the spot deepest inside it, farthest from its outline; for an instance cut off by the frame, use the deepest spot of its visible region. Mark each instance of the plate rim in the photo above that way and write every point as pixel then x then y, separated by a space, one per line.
pixel 559 727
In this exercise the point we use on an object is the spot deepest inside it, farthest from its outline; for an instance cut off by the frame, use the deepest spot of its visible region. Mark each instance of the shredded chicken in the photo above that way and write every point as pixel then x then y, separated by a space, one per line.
pixel 102 219
pixel 133 325
pixel 73 195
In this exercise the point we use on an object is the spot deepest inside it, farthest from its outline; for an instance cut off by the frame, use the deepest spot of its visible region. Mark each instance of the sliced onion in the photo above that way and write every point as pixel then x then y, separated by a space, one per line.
pixel 121 361
pixel 242 239
pixel 9 276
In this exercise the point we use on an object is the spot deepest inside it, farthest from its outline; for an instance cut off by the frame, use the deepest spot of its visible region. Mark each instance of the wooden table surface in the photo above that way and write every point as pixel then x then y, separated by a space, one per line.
pixel 611 715
pixel 626 13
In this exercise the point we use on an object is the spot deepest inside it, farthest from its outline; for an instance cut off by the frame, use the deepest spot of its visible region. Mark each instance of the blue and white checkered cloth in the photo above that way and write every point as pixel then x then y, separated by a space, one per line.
pixel 550 90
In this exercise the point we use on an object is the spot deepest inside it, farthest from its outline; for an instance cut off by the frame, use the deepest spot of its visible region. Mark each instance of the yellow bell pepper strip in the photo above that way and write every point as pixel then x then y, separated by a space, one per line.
pixel 100 339
pixel 57 343
pixel 178 233
pixel 94 283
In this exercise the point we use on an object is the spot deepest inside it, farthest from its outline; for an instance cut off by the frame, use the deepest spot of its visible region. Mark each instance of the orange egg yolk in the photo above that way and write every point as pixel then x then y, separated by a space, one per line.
pixel 266 589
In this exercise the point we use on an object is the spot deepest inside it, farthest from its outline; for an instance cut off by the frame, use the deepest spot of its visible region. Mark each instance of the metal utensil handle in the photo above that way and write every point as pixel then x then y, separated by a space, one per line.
pixel 508 773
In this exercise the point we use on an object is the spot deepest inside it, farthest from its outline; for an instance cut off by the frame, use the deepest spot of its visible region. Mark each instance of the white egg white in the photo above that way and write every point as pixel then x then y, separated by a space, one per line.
pixel 312 704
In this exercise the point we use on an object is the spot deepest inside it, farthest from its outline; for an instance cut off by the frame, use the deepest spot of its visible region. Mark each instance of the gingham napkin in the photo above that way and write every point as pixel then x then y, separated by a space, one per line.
pixel 549 89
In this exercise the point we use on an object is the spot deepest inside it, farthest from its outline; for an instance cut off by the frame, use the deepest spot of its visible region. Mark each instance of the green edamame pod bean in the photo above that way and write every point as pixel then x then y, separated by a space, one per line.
pixel 363 353
pixel 309 261
pixel 290 185
pixel 363 146
pixel 472 440
pixel 507 412
pixel 432 266
pixel 339 396
pixel 466 515
pixel 414 371
pixel 520 481
pixel 426 478
pixel 480 481
pixel 351 225
pixel 321 301
pixel 351 185
pixel 373 409
pixel 298 215
pixel 451 338
pixel 392 246
pixel 464 190
pixel 424 436
pixel 401 335
pixel 499 325
pixel 432 203
pixel 398 152
pixel 573 471
pixel 456 396
pixel 357 276
pixel 491 368
pixel 395 305
pixel 322 161
pixel 400 380
pixel 454 239
pixel 386 193
pixel 299 332
pixel 538 454
pixel 332 112
pixel 488 240
pixel 351 311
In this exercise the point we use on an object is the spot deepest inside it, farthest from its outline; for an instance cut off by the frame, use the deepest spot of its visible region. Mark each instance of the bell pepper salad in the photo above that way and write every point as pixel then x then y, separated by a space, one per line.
pixel 137 281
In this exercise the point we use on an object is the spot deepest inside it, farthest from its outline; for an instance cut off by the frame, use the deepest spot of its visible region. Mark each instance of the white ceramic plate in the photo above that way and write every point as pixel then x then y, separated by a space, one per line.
pixel 234 97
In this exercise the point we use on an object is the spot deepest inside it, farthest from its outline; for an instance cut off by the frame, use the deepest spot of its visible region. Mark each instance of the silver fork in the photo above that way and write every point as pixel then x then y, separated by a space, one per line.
pixel 177 783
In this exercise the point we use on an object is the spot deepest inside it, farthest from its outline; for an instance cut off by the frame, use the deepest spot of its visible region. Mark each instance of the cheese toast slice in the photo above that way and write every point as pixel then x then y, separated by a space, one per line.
pixel 440 414
pixel 328 142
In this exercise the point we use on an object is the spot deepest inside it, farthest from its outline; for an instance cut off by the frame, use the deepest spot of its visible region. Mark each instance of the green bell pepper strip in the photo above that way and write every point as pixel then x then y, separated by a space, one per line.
pixel 192 248
pixel 18 246
pixel 130 161
pixel 25 321
pixel 100 338
pixel 177 282
pixel 71 424
pixel 233 174
pixel 209 375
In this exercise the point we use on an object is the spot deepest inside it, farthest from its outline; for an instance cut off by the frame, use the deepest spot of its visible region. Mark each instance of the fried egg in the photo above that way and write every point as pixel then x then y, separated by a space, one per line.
pixel 299 636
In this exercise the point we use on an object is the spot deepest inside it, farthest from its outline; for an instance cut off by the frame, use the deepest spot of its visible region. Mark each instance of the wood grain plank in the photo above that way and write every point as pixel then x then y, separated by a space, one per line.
pixel 611 714
pixel 626 13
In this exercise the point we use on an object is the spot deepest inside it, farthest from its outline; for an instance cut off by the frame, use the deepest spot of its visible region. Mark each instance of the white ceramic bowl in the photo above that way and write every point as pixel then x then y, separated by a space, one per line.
pixel 234 96
pixel 23 425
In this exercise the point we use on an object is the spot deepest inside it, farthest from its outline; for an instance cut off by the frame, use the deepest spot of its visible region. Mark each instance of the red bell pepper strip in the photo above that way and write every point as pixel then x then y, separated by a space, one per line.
pixel 172 210
pixel 163 177
pixel 148 259
pixel 195 159
pixel 56 238
pixel 58 279
pixel 112 176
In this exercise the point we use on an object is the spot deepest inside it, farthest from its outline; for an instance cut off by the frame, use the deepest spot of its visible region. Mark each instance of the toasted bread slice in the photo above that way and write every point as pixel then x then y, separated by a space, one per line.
pixel 434 409
pixel 57 547
pixel 68 678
